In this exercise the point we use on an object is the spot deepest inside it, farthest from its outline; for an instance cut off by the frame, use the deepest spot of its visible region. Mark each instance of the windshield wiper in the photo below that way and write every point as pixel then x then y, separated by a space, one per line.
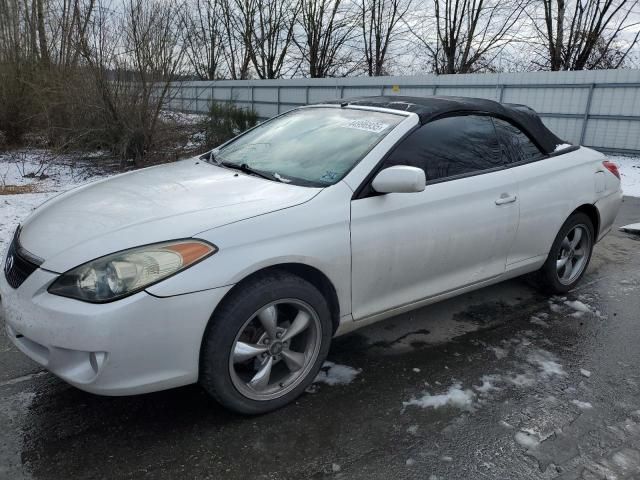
pixel 246 168
pixel 243 167
pixel 210 157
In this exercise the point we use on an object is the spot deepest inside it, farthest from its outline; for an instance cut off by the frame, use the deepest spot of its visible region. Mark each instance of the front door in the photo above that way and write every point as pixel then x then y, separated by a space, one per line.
pixel 411 246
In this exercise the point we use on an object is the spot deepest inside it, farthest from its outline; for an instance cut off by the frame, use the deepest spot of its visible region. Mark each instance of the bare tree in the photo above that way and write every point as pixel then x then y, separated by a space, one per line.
pixel 237 17
pixel 610 55
pixel 18 56
pixel 154 55
pixel 272 35
pixel 22 25
pixel 39 45
pixel 15 35
pixel 468 34
pixel 45 32
pixel 134 58
pixel 42 35
pixel 581 34
pixel 379 21
pixel 68 22
pixel 203 38
pixel 327 27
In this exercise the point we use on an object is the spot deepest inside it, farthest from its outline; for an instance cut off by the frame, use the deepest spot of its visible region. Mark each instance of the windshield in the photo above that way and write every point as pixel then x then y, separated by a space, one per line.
pixel 311 146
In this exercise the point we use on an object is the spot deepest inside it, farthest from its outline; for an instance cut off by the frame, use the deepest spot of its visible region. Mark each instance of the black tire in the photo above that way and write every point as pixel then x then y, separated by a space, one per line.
pixel 548 276
pixel 230 320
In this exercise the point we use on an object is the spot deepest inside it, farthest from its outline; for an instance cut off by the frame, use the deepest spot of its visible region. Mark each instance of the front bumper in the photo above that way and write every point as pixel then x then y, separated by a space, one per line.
pixel 134 345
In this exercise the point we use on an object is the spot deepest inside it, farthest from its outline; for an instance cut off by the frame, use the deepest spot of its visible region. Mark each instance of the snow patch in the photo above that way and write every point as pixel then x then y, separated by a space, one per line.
pixel 538 321
pixel 281 178
pixel 455 397
pixel 335 374
pixel 578 306
pixel 527 440
pixel 631 228
pixel 488 384
pixel 554 307
pixel 629 174
pixel 546 362
pixel 183 118
pixel 562 146
pixel 582 405
pixel 505 424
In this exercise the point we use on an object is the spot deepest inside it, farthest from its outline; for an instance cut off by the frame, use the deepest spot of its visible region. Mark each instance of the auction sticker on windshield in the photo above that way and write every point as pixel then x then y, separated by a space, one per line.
pixel 368 125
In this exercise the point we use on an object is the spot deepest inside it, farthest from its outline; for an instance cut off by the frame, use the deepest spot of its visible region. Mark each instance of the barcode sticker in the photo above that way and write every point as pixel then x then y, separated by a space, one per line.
pixel 367 125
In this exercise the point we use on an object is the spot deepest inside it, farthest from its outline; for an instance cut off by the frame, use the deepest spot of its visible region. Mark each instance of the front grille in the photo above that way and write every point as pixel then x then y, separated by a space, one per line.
pixel 16 267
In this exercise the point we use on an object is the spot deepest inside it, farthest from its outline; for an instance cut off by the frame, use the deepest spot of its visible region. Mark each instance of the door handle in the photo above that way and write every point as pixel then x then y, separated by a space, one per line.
pixel 506 198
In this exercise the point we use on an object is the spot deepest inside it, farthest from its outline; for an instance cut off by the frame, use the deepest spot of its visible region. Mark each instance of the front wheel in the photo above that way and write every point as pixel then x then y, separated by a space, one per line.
pixel 266 343
pixel 569 255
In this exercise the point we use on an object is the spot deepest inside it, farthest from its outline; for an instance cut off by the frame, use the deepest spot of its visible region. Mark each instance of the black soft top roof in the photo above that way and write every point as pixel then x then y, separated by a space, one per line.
pixel 429 108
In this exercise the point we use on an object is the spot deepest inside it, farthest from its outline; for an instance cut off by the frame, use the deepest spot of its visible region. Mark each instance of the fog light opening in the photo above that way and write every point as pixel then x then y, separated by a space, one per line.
pixel 96 359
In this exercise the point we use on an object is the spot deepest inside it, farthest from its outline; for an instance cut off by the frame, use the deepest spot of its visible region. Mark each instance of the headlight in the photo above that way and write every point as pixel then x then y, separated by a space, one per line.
pixel 127 272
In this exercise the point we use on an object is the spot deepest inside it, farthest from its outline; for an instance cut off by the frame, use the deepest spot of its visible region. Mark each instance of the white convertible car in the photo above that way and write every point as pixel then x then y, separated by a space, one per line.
pixel 237 268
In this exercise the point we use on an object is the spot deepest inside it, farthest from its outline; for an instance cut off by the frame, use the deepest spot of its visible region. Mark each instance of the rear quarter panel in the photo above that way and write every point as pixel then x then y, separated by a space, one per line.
pixel 549 190
pixel 609 200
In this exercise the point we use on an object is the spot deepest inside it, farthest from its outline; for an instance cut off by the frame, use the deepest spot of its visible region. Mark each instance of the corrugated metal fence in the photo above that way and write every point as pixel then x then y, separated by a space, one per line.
pixel 595 108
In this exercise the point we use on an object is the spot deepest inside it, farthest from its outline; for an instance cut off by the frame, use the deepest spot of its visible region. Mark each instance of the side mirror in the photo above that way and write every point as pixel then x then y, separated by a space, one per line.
pixel 399 179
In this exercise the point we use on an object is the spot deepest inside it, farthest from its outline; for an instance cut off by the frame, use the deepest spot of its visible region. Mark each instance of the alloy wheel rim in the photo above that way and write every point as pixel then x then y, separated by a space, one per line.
pixel 275 349
pixel 573 254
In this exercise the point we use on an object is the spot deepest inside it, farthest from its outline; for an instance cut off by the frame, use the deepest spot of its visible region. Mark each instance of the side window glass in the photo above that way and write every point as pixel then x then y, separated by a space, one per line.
pixel 515 145
pixel 450 146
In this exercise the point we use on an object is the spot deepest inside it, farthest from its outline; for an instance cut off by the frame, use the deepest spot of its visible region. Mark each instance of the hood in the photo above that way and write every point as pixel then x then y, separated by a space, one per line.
pixel 167 202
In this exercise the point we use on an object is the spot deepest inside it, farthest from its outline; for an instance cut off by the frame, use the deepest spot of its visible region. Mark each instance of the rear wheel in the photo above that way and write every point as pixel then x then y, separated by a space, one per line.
pixel 266 343
pixel 569 255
